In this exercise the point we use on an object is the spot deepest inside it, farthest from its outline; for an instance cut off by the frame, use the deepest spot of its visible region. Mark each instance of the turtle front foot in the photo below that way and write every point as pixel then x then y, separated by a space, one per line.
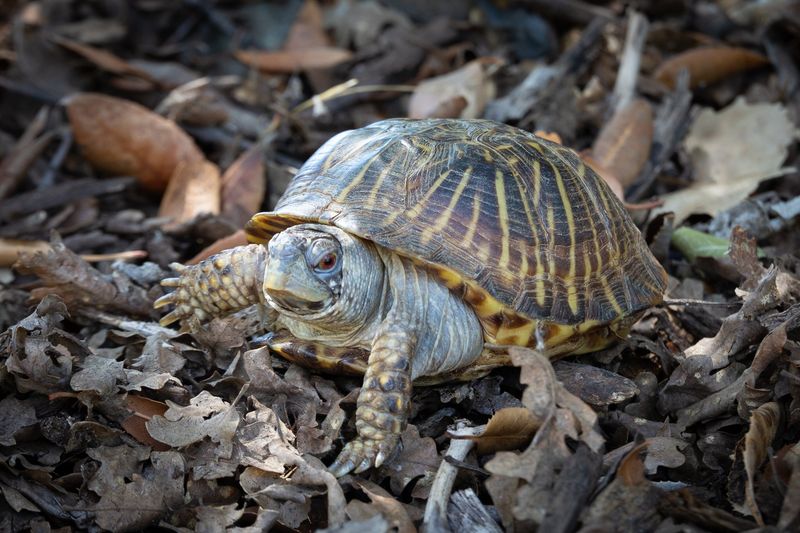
pixel 363 453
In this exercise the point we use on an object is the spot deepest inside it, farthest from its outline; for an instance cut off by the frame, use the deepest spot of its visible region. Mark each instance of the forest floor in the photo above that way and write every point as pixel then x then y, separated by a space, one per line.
pixel 138 134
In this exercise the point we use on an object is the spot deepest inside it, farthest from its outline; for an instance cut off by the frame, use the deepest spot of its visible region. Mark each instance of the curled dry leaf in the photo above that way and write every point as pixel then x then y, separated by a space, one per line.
pixel 763 426
pixel 288 61
pixel 623 145
pixel 244 186
pixel 510 428
pixel 143 409
pixel 462 93
pixel 732 151
pixel 64 273
pixel 708 65
pixel 194 189
pixel 122 137
pixel 231 241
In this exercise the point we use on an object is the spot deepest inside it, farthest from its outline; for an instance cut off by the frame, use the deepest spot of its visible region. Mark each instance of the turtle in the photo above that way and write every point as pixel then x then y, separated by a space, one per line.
pixel 411 249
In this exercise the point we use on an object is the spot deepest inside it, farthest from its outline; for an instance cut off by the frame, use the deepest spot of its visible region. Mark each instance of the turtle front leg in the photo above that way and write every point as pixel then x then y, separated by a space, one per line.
pixel 218 286
pixel 383 403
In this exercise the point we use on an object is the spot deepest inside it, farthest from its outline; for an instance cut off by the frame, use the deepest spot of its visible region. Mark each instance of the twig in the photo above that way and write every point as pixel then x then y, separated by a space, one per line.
pixel 436 508
pixel 628 73
pixel 57 160
pixel 469 514
pixel 542 82
pixel 702 303
pixel 24 152
pixel 672 120
pixel 61 194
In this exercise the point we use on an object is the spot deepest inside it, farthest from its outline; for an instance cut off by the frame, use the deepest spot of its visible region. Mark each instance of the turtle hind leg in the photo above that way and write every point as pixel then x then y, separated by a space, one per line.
pixel 334 360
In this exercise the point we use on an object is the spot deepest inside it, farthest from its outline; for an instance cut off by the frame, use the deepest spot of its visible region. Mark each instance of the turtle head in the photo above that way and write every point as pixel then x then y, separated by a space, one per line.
pixel 305 267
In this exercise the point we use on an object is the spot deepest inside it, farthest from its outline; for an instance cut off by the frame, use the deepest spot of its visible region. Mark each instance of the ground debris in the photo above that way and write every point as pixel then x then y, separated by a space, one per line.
pixel 125 147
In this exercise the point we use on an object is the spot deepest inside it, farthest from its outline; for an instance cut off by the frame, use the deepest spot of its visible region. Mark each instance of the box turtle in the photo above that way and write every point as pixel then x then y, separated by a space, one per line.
pixel 411 249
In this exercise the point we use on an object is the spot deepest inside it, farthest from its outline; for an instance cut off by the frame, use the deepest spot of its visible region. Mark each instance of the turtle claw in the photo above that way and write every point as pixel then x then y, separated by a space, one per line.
pixel 171 282
pixel 362 454
pixel 167 299
pixel 170 318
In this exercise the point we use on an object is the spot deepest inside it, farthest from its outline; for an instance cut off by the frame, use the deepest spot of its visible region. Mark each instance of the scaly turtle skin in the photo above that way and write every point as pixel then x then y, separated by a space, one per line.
pixel 403 249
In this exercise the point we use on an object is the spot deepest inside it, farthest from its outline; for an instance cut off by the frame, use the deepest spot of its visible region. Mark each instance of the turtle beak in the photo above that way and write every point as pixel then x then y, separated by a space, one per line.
pixel 291 285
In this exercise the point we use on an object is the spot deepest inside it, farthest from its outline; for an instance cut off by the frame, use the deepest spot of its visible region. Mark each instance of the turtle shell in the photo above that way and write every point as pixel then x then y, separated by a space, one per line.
pixel 519 226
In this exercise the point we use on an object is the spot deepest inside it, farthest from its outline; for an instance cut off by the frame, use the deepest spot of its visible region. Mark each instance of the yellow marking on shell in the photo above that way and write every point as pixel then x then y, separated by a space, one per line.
pixel 523 266
pixel 519 336
pixel 536 146
pixel 473 223
pixel 487 155
pixel 503 147
pixel 551 228
pixel 417 208
pixel 523 195
pixel 444 219
pixel 502 207
pixel 488 305
pixel 537 181
pixel 328 161
pixel 358 178
pixel 373 193
pixel 572 290
pixel 610 295
pixel 484 251
pixel 449 278
pixel 581 170
pixel 602 190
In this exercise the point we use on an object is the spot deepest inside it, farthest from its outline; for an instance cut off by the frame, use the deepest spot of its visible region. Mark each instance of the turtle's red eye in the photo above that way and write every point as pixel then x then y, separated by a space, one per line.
pixel 327 263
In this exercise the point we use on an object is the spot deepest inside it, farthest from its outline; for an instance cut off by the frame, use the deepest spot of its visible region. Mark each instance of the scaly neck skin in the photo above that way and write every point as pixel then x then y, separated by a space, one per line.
pixel 353 318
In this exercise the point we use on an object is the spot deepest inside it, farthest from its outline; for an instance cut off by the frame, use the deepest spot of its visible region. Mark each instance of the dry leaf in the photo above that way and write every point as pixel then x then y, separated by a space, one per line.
pixel 288 61
pixel 510 428
pixel 244 186
pixel 102 58
pixel 623 145
pixel 708 65
pixel 440 96
pixel 122 137
pixel 143 409
pixel 551 136
pixel 193 189
pixel 308 28
pixel 732 151
pixel 231 241
pixel 763 426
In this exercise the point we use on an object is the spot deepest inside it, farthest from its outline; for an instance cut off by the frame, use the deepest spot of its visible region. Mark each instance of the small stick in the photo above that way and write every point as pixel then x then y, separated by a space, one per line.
pixel 436 508
pixel 672 121
pixel 628 73
pixel 126 255
pixel 704 303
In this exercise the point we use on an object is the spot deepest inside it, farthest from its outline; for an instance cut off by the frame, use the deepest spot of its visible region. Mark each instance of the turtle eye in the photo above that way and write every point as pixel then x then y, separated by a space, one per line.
pixel 326 263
